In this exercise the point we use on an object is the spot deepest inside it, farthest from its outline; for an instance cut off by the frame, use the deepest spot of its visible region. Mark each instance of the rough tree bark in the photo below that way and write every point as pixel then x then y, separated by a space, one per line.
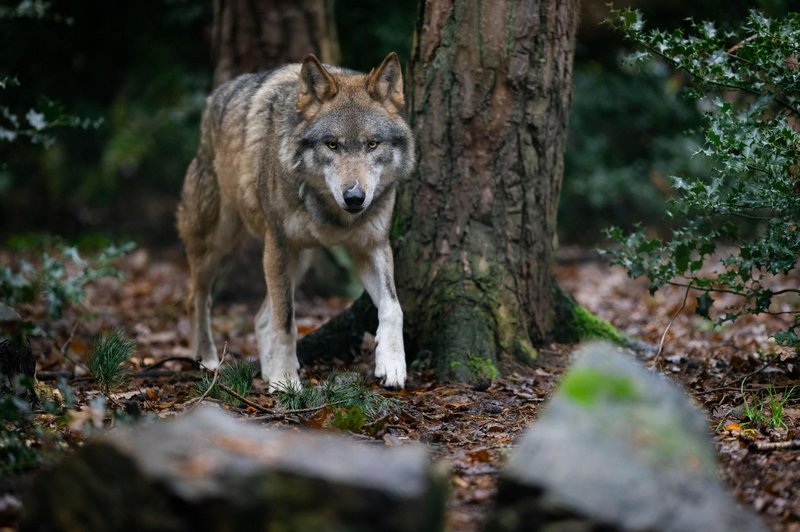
pixel 475 229
pixel 253 35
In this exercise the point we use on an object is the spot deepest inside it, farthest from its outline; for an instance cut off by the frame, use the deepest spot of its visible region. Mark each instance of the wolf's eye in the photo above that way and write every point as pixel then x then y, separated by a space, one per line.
pixel 372 144
pixel 332 144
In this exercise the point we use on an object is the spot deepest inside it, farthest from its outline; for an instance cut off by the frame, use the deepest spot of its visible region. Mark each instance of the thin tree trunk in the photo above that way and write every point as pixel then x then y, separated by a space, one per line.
pixel 256 35
pixel 253 35
pixel 475 228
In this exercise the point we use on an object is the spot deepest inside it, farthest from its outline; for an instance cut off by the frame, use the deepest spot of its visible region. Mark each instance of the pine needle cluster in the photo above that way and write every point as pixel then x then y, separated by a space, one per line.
pixel 107 361
pixel 342 390
pixel 238 376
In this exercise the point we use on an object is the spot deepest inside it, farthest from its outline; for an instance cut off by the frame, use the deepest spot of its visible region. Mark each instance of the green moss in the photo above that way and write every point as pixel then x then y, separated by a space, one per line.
pixel 474 322
pixel 590 327
pixel 524 351
pixel 511 337
pixel 482 368
pixel 573 323
pixel 588 386
pixel 349 419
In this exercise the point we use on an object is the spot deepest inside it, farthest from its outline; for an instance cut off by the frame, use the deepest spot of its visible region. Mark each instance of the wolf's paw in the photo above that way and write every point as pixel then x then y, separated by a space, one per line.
pixel 208 360
pixel 280 372
pixel 282 380
pixel 390 367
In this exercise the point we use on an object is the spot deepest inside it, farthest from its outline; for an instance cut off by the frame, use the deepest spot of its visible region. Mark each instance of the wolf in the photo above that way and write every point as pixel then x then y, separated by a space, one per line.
pixel 301 156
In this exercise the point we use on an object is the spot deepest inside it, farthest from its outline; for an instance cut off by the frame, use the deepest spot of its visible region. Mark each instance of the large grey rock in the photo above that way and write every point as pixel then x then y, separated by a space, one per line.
pixel 208 471
pixel 617 448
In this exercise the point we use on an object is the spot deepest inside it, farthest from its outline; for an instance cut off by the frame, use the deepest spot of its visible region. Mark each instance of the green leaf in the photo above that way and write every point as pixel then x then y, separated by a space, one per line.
pixel 763 300
pixel 682 254
pixel 704 303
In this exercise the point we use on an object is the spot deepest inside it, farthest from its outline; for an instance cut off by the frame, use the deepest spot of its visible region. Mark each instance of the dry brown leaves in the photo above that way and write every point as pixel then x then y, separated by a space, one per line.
pixel 725 369
pixel 472 431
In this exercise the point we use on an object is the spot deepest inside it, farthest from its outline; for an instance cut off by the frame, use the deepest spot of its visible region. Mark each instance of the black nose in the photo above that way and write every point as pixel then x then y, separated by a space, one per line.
pixel 354 197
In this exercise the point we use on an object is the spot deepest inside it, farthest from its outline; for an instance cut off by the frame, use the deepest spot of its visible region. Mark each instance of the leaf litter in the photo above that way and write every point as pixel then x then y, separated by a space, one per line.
pixel 472 431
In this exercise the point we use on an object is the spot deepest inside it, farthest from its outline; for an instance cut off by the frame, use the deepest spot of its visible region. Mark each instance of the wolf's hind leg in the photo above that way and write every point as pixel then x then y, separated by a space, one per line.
pixel 209 228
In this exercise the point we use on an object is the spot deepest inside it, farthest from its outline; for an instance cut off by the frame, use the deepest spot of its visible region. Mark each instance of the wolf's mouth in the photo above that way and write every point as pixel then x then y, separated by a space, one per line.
pixel 354 209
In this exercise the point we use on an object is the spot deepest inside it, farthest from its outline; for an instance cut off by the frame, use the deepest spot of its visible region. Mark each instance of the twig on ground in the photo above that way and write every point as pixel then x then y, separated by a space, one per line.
pixel 55 375
pixel 151 373
pixel 729 388
pixel 315 408
pixel 283 413
pixel 657 359
pixel 789 445
pixel 197 400
pixel 245 400
pixel 174 358
pixel 759 370
pixel 65 346
pixel 64 349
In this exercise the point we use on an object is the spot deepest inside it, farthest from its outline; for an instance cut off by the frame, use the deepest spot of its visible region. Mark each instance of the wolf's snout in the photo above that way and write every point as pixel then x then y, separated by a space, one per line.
pixel 354 198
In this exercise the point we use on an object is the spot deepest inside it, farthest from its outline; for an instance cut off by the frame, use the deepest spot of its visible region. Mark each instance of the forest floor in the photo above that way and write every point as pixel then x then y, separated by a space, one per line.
pixel 732 372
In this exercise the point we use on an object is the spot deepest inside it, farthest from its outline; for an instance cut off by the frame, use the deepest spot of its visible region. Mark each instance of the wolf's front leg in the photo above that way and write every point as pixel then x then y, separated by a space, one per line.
pixel 376 271
pixel 275 326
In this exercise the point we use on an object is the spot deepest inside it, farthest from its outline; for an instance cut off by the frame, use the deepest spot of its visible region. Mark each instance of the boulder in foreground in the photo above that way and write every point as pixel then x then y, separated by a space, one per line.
pixel 617 448
pixel 208 471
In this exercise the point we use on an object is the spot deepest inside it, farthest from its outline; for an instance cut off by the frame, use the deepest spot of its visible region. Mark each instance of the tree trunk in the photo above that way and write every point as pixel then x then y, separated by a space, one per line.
pixel 475 229
pixel 253 35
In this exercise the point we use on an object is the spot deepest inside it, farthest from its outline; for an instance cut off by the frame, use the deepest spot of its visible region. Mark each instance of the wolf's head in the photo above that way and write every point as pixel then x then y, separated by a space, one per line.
pixel 353 143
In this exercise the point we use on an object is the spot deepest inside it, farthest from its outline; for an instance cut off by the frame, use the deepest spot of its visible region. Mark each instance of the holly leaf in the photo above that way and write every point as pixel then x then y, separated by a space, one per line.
pixel 704 304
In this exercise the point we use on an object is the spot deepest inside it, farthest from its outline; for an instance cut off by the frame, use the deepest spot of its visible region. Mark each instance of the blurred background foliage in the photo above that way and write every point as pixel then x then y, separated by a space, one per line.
pixel 144 69
pixel 630 128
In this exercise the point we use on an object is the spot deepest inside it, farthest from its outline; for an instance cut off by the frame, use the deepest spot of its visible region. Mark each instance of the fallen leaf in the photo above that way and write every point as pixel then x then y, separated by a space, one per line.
pixel 303 330
pixel 320 418
pixel 478 456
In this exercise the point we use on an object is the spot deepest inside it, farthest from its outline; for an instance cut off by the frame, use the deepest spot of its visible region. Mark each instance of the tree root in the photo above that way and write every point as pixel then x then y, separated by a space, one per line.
pixel 342 335
pixel 774 445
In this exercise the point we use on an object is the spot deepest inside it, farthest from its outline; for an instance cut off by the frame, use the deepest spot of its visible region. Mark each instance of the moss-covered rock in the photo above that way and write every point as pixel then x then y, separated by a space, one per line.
pixel 589 387
pixel 617 448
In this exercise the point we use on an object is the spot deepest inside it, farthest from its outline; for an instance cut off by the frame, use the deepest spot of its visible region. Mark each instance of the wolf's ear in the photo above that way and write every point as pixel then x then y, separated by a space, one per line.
pixel 385 84
pixel 316 85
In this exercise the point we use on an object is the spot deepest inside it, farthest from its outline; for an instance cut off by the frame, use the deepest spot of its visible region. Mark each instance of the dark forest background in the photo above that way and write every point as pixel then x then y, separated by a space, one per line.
pixel 143 70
